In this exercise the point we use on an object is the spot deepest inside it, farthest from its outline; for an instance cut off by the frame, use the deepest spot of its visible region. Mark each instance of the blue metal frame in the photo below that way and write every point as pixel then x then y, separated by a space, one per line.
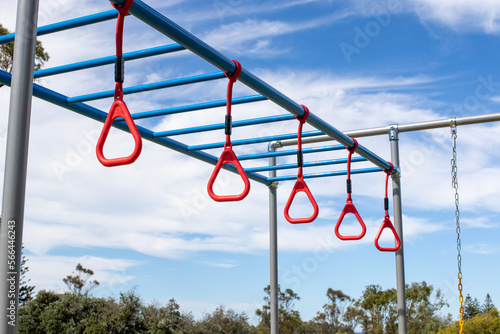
pixel 324 174
pixel 161 23
pixel 69 24
pixel 305 164
pixel 197 106
pixel 187 41
pixel 99 115
pixel 149 87
pixel 218 126
pixel 159 50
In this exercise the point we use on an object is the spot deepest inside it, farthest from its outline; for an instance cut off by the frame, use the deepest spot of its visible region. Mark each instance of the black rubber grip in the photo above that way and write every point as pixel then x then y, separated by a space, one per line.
pixel 300 158
pixel 349 186
pixel 386 204
pixel 229 125
pixel 119 69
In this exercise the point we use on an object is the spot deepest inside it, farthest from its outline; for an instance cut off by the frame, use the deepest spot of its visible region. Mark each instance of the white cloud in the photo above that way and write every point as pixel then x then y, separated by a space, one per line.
pixel 483 249
pixel 461 15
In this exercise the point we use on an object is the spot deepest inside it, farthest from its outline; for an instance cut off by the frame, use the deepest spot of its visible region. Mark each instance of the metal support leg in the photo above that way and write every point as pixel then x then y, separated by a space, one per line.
pixel 273 238
pixel 16 160
pixel 398 224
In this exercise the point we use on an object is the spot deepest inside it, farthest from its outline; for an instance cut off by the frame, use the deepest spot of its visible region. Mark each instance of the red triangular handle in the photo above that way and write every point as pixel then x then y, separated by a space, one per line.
pixel 387 224
pixel 350 208
pixel 301 185
pixel 226 157
pixel 118 109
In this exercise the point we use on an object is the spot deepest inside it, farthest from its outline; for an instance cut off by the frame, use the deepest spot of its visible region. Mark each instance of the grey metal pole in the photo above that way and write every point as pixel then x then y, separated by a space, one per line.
pixel 16 160
pixel 273 244
pixel 398 225
pixel 442 123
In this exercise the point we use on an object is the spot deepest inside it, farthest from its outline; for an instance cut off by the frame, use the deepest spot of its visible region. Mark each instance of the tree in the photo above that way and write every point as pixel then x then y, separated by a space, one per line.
pixel 471 307
pixel 488 323
pixel 378 310
pixel 7 54
pixel 334 315
pixel 78 282
pixel 167 319
pixel 26 292
pixel 488 304
pixel 289 319
pixel 422 312
pixel 224 321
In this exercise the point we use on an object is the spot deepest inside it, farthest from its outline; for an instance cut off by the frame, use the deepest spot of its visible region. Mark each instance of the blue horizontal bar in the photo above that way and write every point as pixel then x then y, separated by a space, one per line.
pixel 235 124
pixel 253 140
pixel 159 22
pixel 324 174
pixel 306 164
pixel 149 87
pixel 109 60
pixel 65 25
pixel 290 152
pixel 99 115
pixel 197 106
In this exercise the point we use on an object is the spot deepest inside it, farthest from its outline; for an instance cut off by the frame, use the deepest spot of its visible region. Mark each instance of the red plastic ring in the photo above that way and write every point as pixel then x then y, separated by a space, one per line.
pixel 354 148
pixel 387 224
pixel 228 156
pixel 299 186
pixel 350 208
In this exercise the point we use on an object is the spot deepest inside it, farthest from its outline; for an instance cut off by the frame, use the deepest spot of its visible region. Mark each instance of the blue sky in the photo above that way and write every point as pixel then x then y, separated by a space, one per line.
pixel 151 226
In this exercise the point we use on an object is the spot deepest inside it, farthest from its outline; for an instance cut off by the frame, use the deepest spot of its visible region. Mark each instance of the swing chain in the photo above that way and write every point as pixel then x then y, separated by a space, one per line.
pixel 454 183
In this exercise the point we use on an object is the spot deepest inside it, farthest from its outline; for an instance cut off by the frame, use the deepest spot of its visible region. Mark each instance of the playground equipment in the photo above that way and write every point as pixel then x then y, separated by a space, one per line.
pixel 23 87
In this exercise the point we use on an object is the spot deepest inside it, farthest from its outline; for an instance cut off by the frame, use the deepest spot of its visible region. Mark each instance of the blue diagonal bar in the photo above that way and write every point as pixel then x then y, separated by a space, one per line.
pixel 290 152
pixel 218 126
pixel 159 22
pixel 306 164
pixel 252 140
pixel 324 174
pixel 197 106
pixel 99 115
pixel 149 87
pixel 69 24
pixel 108 60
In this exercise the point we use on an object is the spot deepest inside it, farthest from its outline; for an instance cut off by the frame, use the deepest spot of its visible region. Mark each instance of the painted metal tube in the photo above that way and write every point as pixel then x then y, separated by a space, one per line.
pixel 273 245
pixel 99 115
pixel 305 164
pixel 418 126
pixel 398 225
pixel 324 174
pixel 16 164
pixel 159 50
pixel 218 126
pixel 290 152
pixel 149 87
pixel 69 24
pixel 252 140
pixel 197 106
pixel 158 21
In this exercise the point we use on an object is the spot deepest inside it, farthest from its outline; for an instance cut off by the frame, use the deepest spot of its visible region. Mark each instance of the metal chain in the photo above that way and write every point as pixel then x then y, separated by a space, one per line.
pixel 454 184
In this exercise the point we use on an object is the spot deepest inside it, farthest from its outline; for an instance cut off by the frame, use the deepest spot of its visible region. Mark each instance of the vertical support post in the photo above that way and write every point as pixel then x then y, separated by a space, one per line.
pixel 273 244
pixel 16 164
pixel 398 225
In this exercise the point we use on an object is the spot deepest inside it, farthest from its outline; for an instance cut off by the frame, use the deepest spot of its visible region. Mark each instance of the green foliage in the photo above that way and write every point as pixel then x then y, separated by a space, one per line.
pixel 26 291
pixel 337 314
pixel 7 54
pixel 79 282
pixel 422 312
pixel 471 307
pixel 289 319
pixel 488 304
pixel 378 310
pixel 223 321
pixel 481 323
